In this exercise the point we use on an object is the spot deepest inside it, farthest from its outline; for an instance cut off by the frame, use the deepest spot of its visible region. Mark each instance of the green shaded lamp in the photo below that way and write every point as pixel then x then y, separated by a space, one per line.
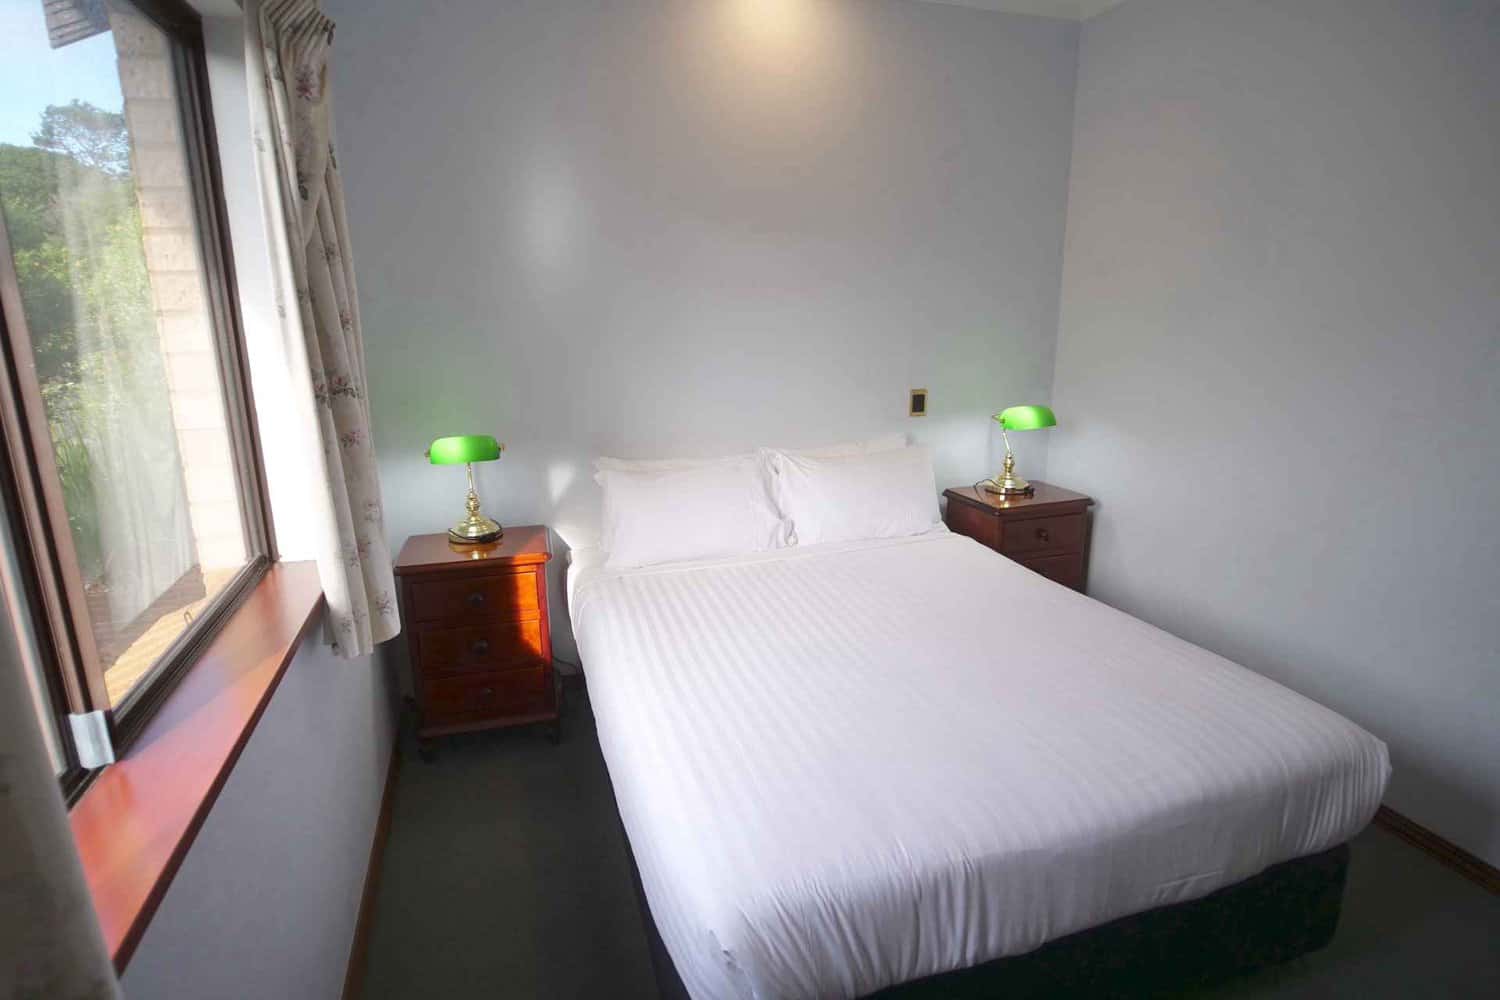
pixel 466 449
pixel 1017 418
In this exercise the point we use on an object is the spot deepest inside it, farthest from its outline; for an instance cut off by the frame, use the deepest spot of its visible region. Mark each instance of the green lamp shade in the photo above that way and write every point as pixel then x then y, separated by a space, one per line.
pixel 1026 418
pixel 463 448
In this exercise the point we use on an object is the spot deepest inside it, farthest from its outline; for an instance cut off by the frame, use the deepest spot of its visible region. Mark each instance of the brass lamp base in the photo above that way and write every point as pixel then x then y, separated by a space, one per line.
pixel 475 528
pixel 1012 486
pixel 1007 483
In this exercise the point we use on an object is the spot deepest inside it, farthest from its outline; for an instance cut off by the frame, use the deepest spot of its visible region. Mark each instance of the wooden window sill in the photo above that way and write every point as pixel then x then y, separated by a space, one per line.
pixel 135 823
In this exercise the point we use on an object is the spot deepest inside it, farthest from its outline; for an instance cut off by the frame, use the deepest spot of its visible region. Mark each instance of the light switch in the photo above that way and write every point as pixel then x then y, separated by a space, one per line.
pixel 919 402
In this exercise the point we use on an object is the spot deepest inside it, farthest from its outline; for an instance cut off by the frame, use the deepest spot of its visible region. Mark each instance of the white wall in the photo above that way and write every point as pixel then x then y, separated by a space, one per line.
pixel 1279 360
pixel 666 227
pixel 266 900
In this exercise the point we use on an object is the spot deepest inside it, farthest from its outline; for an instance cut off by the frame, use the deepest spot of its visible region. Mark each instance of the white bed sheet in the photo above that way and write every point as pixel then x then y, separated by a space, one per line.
pixel 846 766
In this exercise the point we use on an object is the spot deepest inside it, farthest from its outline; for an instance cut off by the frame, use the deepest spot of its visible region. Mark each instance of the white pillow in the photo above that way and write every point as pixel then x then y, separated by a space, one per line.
pixel 719 509
pixel 883 494
pixel 883 442
pixel 603 464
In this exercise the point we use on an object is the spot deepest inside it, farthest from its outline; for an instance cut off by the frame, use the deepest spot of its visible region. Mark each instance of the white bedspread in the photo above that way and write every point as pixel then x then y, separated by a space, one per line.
pixel 847 766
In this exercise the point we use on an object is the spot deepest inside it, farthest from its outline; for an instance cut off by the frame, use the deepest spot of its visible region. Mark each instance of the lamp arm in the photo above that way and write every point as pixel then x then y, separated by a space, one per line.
pixel 1006 483
pixel 471 501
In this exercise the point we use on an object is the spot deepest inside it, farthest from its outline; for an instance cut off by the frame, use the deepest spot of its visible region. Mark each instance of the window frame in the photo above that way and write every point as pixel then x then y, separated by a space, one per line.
pixel 51 580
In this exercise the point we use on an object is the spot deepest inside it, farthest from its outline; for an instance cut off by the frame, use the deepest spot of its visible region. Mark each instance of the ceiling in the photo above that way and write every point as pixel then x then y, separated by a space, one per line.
pixel 1072 10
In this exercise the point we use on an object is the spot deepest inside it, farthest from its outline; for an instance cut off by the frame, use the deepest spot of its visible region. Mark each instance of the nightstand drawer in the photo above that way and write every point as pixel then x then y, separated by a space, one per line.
pixel 477 633
pixel 505 598
pixel 465 699
pixel 1066 569
pixel 480 648
pixel 1043 535
pixel 1047 531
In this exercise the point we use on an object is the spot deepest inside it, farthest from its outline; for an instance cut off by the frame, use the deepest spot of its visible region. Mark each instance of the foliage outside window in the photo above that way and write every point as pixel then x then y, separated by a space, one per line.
pixel 120 337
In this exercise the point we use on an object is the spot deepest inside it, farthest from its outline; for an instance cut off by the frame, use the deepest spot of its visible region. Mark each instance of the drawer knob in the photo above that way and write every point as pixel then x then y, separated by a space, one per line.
pixel 487 693
pixel 480 647
pixel 1042 535
pixel 476 599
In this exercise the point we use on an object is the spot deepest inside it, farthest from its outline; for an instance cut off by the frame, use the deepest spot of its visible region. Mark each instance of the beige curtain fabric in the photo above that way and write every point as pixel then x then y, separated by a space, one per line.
pixel 50 944
pixel 286 50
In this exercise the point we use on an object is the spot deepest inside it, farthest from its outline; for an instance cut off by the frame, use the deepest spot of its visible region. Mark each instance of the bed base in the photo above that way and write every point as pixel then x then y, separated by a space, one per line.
pixel 1287 910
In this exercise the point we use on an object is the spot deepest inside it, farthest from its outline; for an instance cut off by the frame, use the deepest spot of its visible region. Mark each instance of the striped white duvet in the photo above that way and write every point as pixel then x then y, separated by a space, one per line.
pixel 847 766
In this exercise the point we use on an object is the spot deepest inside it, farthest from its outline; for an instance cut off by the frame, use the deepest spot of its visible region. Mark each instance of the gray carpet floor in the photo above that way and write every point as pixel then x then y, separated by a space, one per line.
pixel 505 875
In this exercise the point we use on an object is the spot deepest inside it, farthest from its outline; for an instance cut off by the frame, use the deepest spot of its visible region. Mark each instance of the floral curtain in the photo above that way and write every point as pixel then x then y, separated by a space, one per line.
pixel 286 50
pixel 50 943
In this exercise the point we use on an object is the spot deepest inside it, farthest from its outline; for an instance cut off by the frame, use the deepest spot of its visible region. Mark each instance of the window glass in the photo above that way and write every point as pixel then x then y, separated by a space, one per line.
pixel 99 211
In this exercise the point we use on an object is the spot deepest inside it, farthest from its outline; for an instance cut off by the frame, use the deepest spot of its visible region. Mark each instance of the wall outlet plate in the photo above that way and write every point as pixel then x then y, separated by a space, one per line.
pixel 919 402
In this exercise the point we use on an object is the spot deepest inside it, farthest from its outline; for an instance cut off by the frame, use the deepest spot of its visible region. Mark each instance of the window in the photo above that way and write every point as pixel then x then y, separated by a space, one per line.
pixel 128 430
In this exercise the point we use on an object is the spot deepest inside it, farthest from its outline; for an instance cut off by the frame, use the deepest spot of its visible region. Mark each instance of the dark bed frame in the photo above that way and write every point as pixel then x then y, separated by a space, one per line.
pixel 1287 910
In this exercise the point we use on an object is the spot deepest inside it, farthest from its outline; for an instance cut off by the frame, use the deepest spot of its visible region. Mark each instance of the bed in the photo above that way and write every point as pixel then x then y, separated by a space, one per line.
pixel 849 766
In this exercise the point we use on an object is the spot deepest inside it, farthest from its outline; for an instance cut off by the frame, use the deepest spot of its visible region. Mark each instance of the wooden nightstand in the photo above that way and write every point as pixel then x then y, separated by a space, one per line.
pixel 1047 532
pixel 477 629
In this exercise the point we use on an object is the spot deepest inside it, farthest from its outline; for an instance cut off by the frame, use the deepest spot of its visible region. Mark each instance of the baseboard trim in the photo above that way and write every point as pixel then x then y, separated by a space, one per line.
pixel 1472 867
pixel 354 974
